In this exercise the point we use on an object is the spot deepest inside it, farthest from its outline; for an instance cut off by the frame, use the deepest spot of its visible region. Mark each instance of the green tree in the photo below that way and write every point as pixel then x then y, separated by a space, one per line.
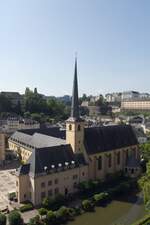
pixel 5 104
pixel 15 218
pixel 2 219
pixel 42 212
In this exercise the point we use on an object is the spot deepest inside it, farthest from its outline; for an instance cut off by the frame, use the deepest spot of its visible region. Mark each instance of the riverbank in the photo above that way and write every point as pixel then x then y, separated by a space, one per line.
pixel 119 212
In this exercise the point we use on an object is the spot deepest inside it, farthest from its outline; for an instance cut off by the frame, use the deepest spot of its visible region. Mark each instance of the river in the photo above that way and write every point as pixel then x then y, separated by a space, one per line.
pixel 118 212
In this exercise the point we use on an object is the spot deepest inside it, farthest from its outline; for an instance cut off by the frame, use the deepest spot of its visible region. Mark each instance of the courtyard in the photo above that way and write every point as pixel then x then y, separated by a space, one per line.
pixel 7 185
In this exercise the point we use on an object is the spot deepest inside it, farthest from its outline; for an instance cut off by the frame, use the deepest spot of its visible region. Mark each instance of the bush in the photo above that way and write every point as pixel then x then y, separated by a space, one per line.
pixel 87 205
pixel 77 211
pixel 42 211
pixel 2 219
pixel 87 188
pixel 54 203
pixel 63 214
pixel 122 188
pixel 35 221
pixel 26 207
pixel 15 218
pixel 101 198
pixel 51 217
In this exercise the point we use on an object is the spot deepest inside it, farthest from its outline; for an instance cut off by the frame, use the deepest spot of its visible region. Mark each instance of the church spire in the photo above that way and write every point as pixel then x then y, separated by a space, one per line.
pixel 75 100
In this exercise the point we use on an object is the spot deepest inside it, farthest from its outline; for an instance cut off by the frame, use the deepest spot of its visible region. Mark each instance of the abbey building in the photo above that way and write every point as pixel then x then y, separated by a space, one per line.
pixel 55 161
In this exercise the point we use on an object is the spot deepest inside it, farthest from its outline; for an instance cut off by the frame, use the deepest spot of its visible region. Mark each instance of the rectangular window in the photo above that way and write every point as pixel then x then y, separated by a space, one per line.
pixel 100 163
pixel 49 183
pixel 43 185
pixel 56 191
pixel 118 158
pixel 50 193
pixel 75 177
pixel 43 195
pixel 56 181
pixel 109 161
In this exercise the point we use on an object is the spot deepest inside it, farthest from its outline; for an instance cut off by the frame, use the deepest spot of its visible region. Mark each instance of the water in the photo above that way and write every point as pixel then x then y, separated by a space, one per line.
pixel 118 212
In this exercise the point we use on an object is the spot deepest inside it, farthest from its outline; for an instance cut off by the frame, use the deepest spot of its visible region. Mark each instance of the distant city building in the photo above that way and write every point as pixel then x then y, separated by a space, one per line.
pixel 130 95
pixel 65 98
pixel 135 105
pixel 113 97
pixel 144 95
pixel 10 125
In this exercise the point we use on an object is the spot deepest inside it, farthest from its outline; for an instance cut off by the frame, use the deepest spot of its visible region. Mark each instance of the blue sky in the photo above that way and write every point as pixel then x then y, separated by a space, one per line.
pixel 39 38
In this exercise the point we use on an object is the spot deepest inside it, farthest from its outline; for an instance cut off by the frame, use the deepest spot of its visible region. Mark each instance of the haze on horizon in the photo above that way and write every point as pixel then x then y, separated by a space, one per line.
pixel 39 39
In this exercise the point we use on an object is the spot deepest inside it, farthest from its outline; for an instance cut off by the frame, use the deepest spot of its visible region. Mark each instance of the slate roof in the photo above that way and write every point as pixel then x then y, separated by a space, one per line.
pixel 36 140
pixel 23 170
pixel 53 131
pixel 43 159
pixel 107 138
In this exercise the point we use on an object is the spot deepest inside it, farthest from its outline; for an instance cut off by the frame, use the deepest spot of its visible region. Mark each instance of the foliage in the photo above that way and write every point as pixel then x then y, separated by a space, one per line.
pixel 36 107
pixel 42 211
pixel 2 219
pixel 143 221
pixel 15 218
pixel 144 184
pixel 101 198
pixel 5 104
pixel 26 207
pixel 145 151
pixel 51 217
pixel 88 188
pixel 11 196
pixel 64 214
pixel 35 221
pixel 54 203
pixel 87 205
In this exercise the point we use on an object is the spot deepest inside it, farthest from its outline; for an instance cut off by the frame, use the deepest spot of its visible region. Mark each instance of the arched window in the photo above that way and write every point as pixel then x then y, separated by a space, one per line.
pixel 99 163
pixel 118 158
pixel 70 127
pixel 79 127
pixel 109 161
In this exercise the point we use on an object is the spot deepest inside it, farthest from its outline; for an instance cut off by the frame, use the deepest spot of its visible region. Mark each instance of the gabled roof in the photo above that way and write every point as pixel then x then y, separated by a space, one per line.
pixel 107 138
pixel 53 131
pixel 36 139
pixel 47 157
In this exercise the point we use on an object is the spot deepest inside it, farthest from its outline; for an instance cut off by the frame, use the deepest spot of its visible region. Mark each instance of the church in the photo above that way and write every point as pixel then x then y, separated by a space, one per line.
pixel 56 161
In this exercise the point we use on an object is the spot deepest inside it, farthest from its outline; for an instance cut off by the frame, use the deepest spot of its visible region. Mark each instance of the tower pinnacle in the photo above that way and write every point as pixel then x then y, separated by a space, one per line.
pixel 75 100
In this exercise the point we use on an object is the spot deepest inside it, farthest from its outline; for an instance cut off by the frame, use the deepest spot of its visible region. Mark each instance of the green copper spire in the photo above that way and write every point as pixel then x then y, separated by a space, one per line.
pixel 75 100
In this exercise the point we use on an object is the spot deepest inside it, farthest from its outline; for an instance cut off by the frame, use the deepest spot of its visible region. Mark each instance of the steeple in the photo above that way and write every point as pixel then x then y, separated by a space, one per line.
pixel 75 100
pixel 75 125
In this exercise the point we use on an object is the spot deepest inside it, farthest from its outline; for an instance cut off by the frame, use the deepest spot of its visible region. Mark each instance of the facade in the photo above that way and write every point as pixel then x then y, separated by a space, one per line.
pixel 10 125
pixel 135 105
pixel 2 148
pixel 57 160
pixel 113 97
pixel 130 95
